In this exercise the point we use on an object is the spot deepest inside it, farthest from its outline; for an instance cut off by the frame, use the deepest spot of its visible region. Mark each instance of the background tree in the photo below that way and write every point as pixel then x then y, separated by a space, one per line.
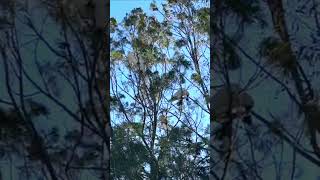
pixel 262 46
pixel 55 120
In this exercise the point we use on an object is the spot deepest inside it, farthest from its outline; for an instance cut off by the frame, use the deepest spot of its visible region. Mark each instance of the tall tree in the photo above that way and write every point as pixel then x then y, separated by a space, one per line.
pixel 160 91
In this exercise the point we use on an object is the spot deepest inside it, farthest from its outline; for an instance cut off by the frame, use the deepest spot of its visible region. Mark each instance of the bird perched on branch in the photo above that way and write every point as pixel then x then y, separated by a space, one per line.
pixel 136 62
pixel 232 102
pixel 164 121
pixel 179 96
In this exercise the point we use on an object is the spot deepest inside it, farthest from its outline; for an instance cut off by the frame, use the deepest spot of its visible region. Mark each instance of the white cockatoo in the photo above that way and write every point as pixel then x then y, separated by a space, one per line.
pixel 134 63
pixel 229 103
pixel 164 121
pixel 180 95
pixel 234 100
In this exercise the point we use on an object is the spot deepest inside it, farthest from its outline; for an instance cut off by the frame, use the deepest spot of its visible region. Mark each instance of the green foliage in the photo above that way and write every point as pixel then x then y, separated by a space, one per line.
pixel 12 127
pixel 196 77
pixel 153 7
pixel 231 57
pixel 132 19
pixel 247 11
pixel 128 155
pixel 168 78
pixel 153 42
pixel 113 25
pixel 116 55
pixel 203 17
pixel 277 53
pixel 180 61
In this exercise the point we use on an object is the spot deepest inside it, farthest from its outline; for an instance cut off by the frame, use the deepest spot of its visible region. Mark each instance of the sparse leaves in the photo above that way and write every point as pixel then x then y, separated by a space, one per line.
pixel 277 53
pixel 196 77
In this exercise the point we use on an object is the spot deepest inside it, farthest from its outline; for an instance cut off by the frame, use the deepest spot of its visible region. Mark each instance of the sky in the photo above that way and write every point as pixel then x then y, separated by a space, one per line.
pixel 119 8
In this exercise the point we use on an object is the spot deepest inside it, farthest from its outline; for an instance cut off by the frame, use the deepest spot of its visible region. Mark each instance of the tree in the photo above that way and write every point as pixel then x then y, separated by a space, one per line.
pixel 55 113
pixel 159 72
pixel 274 68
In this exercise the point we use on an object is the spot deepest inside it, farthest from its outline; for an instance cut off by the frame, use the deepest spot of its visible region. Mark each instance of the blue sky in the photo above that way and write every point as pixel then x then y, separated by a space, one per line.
pixel 119 8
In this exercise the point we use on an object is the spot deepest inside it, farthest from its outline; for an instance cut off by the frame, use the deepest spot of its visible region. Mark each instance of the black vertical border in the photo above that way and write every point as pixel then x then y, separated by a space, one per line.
pixel 211 33
pixel 107 58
